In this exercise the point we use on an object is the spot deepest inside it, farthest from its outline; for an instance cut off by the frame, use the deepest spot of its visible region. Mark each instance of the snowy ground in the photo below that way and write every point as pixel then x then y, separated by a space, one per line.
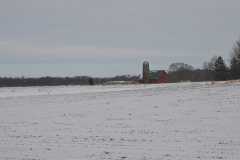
pixel 188 121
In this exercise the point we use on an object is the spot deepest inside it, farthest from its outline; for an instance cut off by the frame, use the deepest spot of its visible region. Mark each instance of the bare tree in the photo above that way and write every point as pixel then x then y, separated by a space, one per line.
pixel 235 61
pixel 211 64
pixel 180 66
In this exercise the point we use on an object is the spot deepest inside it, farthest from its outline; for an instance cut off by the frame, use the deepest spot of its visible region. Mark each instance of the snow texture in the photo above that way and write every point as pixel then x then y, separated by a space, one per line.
pixel 185 121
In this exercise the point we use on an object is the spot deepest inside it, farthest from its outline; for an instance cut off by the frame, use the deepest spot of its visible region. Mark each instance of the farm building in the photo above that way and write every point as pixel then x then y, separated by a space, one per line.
pixel 154 76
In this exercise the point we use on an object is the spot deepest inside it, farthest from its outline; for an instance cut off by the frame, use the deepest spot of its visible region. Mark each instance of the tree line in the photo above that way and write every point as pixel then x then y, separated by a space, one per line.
pixel 214 70
pixel 54 81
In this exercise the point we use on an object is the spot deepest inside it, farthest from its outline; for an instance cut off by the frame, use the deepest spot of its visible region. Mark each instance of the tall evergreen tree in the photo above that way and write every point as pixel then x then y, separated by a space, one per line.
pixel 220 70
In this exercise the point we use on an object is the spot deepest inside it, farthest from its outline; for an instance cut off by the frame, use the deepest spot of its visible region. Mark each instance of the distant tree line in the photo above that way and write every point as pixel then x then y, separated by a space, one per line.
pixel 54 81
pixel 195 75
pixel 214 70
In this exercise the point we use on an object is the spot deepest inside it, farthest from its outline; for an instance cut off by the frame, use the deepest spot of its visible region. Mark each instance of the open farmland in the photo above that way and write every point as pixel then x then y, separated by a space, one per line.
pixel 185 121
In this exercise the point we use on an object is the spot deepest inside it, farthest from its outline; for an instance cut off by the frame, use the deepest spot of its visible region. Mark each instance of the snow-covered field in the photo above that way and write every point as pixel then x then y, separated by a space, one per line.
pixel 186 121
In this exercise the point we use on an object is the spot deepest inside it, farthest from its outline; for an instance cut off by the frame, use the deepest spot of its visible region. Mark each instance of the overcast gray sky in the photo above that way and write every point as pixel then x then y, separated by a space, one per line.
pixel 107 32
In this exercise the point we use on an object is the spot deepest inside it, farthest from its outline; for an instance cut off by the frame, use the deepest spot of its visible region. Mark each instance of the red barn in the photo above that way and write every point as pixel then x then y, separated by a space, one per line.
pixel 158 76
